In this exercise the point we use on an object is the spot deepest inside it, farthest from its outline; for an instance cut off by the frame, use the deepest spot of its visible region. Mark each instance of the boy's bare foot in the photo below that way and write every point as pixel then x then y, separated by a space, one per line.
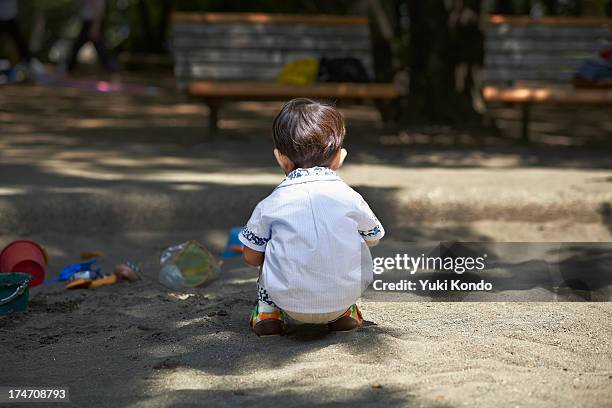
pixel 350 320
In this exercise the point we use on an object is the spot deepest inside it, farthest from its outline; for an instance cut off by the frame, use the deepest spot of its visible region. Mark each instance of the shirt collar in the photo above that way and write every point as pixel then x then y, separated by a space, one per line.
pixel 300 175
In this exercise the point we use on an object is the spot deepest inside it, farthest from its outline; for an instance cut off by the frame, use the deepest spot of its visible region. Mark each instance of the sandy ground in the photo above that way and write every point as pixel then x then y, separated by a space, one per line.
pixel 141 345
pixel 80 173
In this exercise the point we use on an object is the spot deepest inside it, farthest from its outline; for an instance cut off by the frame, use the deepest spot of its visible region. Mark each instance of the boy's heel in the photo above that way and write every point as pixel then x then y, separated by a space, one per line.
pixel 266 324
pixel 269 327
pixel 350 320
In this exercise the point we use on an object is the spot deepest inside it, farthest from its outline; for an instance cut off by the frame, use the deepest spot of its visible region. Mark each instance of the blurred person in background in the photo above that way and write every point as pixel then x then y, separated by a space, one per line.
pixel 9 25
pixel 92 16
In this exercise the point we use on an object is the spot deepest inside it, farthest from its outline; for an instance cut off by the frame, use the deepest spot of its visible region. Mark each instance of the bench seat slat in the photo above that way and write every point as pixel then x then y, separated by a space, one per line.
pixel 257 56
pixel 551 95
pixel 552 21
pixel 533 60
pixel 226 73
pixel 244 90
pixel 287 43
pixel 528 74
pixel 230 70
pixel 201 71
pixel 546 46
pixel 257 18
pixel 268 29
pixel 546 32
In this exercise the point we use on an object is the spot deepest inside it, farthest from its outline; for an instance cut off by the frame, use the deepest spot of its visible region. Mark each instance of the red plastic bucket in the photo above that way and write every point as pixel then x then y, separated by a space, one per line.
pixel 27 257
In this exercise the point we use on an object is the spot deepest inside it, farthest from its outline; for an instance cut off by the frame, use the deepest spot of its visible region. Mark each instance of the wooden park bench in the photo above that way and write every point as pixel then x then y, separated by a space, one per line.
pixel 533 61
pixel 238 56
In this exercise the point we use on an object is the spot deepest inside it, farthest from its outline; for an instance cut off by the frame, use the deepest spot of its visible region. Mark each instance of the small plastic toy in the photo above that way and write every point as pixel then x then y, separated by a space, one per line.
pixel 84 283
pixel 127 271
pixel 25 256
pixel 83 270
pixel 88 280
pixel 233 247
pixel 189 264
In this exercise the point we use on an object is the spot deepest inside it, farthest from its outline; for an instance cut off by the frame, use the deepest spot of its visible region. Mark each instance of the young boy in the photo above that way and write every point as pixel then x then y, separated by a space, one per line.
pixel 313 231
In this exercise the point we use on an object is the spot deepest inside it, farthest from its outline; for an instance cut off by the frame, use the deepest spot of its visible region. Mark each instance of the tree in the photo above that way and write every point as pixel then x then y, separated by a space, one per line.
pixel 446 52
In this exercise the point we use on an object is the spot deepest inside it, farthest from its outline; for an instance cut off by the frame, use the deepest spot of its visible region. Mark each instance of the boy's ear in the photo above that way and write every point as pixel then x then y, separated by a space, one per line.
pixel 338 159
pixel 283 161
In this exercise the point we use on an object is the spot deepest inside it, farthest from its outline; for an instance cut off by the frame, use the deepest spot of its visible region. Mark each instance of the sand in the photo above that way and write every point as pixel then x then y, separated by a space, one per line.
pixel 142 345
pixel 131 176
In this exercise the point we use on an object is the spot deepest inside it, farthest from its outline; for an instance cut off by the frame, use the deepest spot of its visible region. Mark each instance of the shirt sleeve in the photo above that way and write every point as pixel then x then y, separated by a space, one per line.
pixel 256 233
pixel 368 225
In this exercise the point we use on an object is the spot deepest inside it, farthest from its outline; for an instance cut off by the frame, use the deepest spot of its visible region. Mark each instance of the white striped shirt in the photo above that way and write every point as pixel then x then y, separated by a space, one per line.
pixel 313 229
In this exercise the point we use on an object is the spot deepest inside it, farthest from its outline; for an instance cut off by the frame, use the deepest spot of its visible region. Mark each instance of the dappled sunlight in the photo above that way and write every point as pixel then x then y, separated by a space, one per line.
pixel 164 350
pixel 7 191
pixel 103 123
pixel 217 178
pixel 101 166
pixel 241 281
pixel 188 187
pixel 80 170
pixel 137 170
pixel 260 107
pixel 235 124
pixel 195 320
pixel 59 109
pixel 75 190
pixel 30 110
pixel 143 161
pixel 176 109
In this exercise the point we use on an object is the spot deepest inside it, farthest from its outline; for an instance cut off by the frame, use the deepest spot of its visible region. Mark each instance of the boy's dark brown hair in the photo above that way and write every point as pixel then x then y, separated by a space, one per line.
pixel 308 132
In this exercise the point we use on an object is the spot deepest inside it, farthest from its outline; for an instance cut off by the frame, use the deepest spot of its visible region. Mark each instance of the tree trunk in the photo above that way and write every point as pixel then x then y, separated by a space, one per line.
pixel 429 61
pixel 162 29
pixel 145 20
pixel 446 51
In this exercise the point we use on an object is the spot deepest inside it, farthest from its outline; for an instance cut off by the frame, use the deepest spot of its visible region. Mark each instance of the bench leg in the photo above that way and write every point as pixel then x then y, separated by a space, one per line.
pixel 213 118
pixel 525 122
pixel 382 109
pixel 386 109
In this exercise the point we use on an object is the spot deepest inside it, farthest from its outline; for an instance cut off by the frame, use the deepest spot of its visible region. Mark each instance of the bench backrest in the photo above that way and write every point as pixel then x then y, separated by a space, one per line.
pixel 241 46
pixel 544 50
